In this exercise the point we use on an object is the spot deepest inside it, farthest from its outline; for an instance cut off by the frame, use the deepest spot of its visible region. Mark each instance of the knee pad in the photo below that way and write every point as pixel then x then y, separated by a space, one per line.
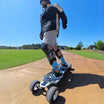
pixel 59 56
pixel 48 52
pixel 44 47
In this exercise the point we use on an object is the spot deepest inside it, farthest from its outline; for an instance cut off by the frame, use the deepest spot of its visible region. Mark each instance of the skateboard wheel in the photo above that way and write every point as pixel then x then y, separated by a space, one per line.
pixel 52 94
pixel 34 86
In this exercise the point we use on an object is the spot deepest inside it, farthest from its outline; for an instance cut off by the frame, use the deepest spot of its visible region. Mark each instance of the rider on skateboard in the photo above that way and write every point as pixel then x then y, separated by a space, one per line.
pixel 50 21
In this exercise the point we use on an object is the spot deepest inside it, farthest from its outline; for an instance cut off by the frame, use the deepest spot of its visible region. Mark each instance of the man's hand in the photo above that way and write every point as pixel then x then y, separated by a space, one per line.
pixel 65 26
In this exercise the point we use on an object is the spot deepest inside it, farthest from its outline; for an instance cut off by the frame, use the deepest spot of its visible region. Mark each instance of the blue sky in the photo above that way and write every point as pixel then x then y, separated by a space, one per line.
pixel 20 22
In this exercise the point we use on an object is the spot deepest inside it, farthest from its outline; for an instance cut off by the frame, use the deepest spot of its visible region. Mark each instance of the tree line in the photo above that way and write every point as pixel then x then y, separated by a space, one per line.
pixel 98 45
pixel 32 46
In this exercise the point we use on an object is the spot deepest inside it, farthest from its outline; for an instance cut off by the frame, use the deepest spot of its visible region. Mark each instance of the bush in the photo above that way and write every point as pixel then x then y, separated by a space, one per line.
pixel 79 46
pixel 71 48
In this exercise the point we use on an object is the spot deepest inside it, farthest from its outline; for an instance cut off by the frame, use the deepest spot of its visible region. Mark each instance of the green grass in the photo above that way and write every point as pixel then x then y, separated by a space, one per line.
pixel 12 57
pixel 89 54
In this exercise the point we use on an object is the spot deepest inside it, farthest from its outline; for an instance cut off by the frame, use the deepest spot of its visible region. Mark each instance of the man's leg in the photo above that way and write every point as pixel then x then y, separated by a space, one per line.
pixel 60 55
pixel 50 53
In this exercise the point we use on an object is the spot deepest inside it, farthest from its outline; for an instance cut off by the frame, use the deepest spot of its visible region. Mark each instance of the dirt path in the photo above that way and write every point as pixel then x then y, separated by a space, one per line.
pixel 86 86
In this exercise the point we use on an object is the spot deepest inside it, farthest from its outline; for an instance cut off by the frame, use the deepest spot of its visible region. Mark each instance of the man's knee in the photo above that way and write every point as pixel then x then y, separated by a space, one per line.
pixel 44 47
pixel 49 53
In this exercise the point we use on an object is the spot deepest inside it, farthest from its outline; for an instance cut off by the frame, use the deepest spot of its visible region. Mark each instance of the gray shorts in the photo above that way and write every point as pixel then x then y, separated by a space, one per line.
pixel 50 38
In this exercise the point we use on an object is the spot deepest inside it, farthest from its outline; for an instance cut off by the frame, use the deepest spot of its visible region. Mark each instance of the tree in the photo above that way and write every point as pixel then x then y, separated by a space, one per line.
pixel 79 46
pixel 71 48
pixel 100 45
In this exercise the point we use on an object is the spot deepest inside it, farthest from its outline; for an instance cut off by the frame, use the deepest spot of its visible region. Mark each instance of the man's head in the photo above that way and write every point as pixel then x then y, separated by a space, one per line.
pixel 44 3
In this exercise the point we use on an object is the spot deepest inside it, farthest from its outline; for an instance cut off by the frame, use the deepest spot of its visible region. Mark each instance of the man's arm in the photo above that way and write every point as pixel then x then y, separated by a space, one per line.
pixel 41 34
pixel 62 15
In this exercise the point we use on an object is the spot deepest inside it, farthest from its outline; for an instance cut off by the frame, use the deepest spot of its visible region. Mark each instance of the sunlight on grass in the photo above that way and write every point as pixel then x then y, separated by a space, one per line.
pixel 89 54
pixel 10 58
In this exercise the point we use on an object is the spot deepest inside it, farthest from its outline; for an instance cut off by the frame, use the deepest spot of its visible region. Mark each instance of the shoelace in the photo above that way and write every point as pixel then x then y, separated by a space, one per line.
pixel 52 76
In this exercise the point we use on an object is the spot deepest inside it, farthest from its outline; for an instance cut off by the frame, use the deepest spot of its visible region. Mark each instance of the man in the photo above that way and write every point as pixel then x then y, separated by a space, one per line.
pixel 50 21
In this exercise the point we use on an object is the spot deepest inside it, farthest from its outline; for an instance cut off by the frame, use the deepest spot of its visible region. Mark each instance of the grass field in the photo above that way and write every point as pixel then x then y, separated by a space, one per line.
pixel 11 58
pixel 89 54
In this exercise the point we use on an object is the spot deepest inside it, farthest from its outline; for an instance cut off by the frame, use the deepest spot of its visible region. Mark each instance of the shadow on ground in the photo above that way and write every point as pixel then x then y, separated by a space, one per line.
pixel 72 80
